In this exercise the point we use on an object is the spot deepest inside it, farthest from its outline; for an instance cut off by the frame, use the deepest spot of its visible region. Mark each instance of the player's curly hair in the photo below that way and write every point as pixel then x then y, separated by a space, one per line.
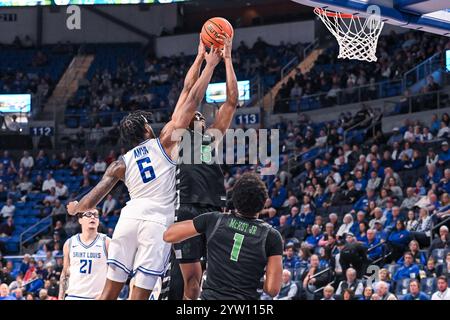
pixel 249 195
pixel 132 127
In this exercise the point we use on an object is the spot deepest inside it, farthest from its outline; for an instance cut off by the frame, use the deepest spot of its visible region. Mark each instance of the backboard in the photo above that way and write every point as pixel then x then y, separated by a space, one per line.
pixel 425 15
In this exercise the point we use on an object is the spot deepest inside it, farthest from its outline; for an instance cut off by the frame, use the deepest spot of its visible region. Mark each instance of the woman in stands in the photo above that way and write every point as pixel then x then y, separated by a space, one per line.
pixel 418 256
pixel 398 240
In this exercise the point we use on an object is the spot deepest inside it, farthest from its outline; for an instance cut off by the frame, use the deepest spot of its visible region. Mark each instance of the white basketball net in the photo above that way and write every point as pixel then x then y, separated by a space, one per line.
pixel 357 39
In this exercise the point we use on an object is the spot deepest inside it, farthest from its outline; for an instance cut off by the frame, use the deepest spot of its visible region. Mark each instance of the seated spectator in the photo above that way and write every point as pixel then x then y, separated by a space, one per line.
pixel 61 190
pixel 383 293
pixel 328 292
pixel 109 205
pixel 377 217
pixel 367 294
pixel 290 260
pixel 48 183
pixel 398 240
pixel 351 282
pixel 422 231
pixel 410 200
pixel 27 161
pixel 313 239
pixel 444 131
pixel 411 222
pixel 429 270
pixel 100 166
pixel 59 230
pixel 419 257
pixel 50 198
pixel 346 226
pixel 8 209
pixel 392 219
pixel 288 288
pixel 443 292
pixel 7 228
pixel 374 250
pixel 363 202
pixel 312 282
pixel 4 292
pixel 444 155
pixel 441 242
pixel 408 270
pixel 414 292
pixel 444 269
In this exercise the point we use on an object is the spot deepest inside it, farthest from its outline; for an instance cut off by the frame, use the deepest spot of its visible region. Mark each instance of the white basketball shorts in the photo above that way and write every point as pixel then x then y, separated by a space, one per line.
pixel 137 249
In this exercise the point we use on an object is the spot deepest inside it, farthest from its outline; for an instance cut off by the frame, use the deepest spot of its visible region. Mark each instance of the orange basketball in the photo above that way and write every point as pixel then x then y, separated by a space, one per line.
pixel 212 28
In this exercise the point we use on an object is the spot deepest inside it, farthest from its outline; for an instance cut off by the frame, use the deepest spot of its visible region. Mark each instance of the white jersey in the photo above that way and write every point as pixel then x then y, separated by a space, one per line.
pixel 150 179
pixel 88 267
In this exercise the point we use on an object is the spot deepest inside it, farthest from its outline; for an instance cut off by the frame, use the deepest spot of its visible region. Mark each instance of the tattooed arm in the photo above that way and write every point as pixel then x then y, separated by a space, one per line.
pixel 114 173
pixel 65 274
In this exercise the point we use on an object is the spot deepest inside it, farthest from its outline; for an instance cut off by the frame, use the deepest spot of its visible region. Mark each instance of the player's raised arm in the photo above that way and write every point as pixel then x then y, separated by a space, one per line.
pixel 65 274
pixel 182 116
pixel 114 173
pixel 226 111
pixel 192 75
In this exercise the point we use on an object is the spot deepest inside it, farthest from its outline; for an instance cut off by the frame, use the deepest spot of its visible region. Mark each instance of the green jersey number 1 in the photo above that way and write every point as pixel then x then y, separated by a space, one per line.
pixel 238 239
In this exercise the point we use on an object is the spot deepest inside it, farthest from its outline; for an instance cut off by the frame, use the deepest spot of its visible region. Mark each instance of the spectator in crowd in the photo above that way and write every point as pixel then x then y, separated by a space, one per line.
pixel 414 292
pixel 8 209
pixel 328 292
pixel 422 231
pixel 7 228
pixel 351 282
pixel 367 294
pixel 27 161
pixel 61 190
pixel 408 270
pixel 430 269
pixel 418 256
pixel 442 293
pixel 48 183
pixel 383 293
pixel 444 268
pixel 398 240
pixel 109 205
pixel 290 261
pixel 313 277
pixel 441 242
pixel 100 166
pixel 288 288
pixel 4 292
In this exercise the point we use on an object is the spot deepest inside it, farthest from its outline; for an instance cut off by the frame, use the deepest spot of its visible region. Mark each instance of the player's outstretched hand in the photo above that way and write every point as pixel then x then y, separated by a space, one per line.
pixel 71 208
pixel 201 48
pixel 213 57
pixel 227 45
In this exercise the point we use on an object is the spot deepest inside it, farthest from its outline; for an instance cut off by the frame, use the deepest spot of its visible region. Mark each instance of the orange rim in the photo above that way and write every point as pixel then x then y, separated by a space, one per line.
pixel 333 14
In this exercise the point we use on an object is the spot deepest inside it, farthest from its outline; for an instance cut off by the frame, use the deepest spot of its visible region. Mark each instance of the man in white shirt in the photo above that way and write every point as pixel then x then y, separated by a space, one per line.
pixel 61 190
pixel 8 209
pixel 109 205
pixel 100 165
pixel 288 288
pixel 49 183
pixel 27 161
pixel 443 292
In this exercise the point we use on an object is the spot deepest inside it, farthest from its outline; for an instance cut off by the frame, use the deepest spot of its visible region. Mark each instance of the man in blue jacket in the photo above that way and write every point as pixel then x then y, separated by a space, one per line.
pixel 373 252
pixel 363 202
pixel 409 268
pixel 291 261
pixel 415 293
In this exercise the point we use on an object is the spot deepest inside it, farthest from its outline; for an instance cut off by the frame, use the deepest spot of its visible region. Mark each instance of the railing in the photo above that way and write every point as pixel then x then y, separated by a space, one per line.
pixel 374 91
pixel 416 103
pixel 315 276
pixel 297 161
pixel 373 120
pixel 25 238
pixel 422 70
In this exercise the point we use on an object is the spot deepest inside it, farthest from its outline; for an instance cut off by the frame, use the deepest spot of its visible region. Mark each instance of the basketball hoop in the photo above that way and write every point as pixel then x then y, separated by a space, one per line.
pixel 357 39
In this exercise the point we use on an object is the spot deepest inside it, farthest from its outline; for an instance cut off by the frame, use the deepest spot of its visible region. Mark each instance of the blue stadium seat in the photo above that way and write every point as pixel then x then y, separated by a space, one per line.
pixel 402 286
pixel 428 285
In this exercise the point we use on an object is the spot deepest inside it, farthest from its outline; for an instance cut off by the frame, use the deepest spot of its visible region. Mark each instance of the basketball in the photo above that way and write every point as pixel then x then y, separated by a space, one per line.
pixel 212 28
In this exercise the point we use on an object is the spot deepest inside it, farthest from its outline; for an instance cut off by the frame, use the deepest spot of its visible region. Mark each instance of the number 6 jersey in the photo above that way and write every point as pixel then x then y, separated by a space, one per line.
pixel 87 267
pixel 150 179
